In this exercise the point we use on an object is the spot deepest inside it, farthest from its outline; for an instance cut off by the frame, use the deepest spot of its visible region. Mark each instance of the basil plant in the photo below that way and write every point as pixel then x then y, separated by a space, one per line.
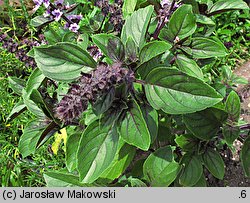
pixel 127 82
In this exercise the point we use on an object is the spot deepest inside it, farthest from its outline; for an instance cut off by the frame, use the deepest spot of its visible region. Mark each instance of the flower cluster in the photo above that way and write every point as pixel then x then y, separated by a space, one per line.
pixel 95 52
pixel 20 49
pixel 74 20
pixel 57 10
pixel 167 9
pixel 114 11
pixel 89 88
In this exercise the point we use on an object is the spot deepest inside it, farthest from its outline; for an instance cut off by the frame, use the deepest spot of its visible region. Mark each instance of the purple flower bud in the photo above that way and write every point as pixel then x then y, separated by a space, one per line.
pixel 228 45
pixel 57 14
pixel 70 108
pixel 90 87
pixel 3 36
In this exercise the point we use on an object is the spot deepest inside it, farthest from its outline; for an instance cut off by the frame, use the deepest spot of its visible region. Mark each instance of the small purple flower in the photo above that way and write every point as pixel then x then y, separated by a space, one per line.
pixel 163 2
pixel 59 2
pixel 66 26
pixel 74 27
pixel 67 6
pixel 46 3
pixel 57 14
pixel 47 13
pixel 75 17
pixel 37 3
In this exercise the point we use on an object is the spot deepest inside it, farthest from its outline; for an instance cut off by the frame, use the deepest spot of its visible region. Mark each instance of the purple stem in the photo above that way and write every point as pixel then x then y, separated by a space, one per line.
pixel 162 22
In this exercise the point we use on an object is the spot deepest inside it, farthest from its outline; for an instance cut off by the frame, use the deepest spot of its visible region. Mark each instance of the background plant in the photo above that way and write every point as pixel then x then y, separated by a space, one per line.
pixel 119 92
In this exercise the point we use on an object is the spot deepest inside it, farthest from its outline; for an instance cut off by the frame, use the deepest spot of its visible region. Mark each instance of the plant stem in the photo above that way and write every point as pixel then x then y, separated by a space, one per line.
pixel 162 21
pixel 140 82
pixel 245 127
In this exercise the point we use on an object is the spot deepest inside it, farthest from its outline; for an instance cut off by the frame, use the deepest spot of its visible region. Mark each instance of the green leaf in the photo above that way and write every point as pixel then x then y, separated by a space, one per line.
pixel 131 50
pixel 31 53
pixel 153 49
pixel 182 23
pixel 53 36
pixel 145 68
pixel 177 93
pixel 151 117
pixel 160 168
pixel 83 40
pixel 209 3
pixel 194 4
pixel 63 88
pixel 202 19
pixel 19 108
pixel 104 102
pixel 134 129
pixel 135 182
pixel 128 7
pixel 227 5
pixel 137 170
pixel 186 142
pixel 136 26
pixel 214 163
pixel 71 152
pixel 123 158
pixel 116 49
pixel 16 84
pixel 189 66
pixel 95 20
pixel 230 133
pixel 32 133
pixel 203 124
pixel 39 21
pixel 233 106
pixel 201 182
pixel 192 171
pixel 48 108
pixel 101 40
pixel 63 61
pixel 202 48
pixel 62 179
pixel 34 82
pixel 244 156
pixel 70 37
pixel 96 151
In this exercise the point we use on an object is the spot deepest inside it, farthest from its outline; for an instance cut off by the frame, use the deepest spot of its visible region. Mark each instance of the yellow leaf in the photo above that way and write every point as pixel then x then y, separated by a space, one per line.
pixel 59 137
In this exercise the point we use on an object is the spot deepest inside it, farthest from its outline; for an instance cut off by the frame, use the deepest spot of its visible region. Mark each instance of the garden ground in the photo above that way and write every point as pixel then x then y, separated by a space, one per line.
pixel 234 175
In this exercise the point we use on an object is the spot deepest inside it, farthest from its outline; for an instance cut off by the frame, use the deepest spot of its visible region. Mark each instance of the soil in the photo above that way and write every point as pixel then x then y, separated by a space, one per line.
pixel 244 91
pixel 234 174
